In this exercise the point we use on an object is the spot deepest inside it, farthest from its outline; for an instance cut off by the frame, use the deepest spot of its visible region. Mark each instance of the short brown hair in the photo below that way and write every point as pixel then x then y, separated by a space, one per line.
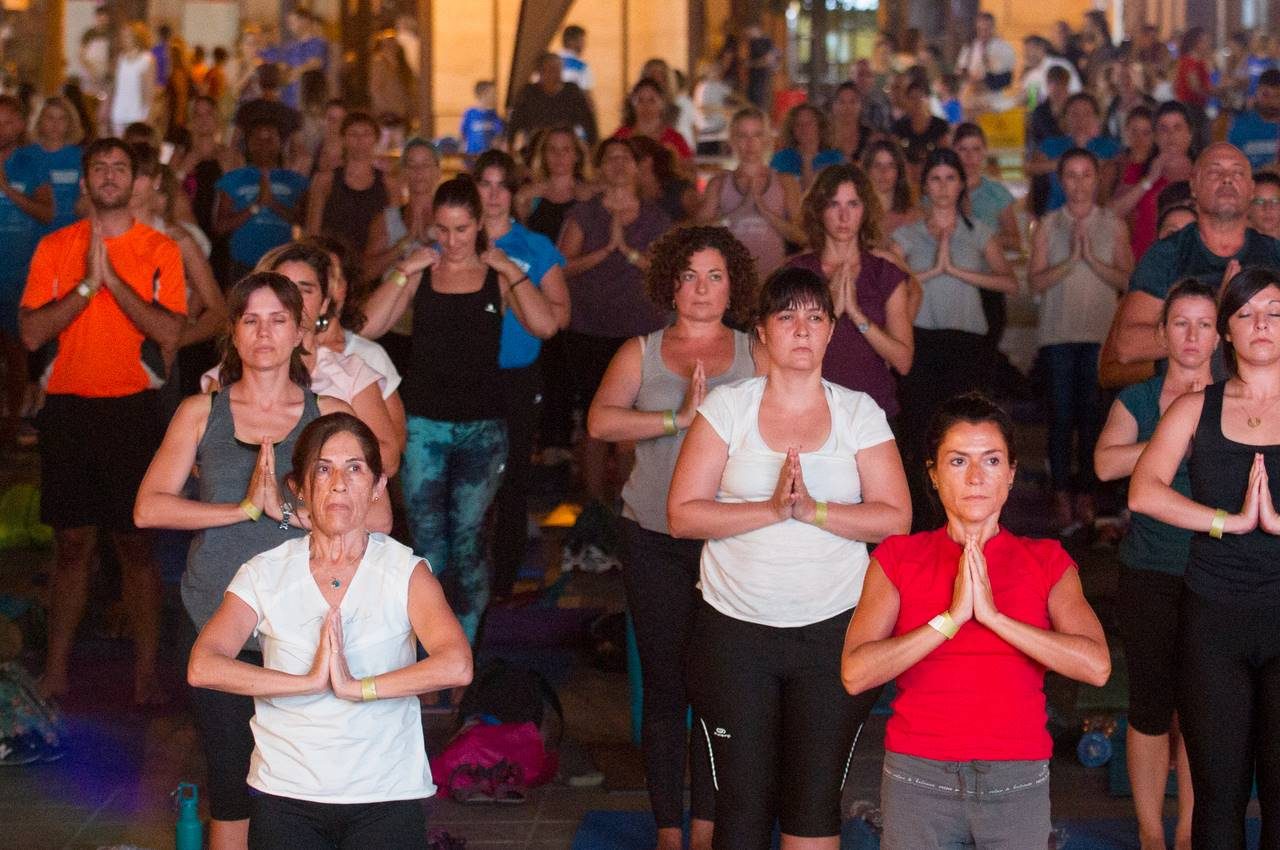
pixel 670 254
pixel 824 188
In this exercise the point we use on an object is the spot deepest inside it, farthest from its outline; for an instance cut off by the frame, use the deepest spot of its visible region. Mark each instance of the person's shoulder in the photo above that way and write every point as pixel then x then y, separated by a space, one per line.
pixel 392 552
pixel 64 237
pixel 1136 397
pixel 149 238
pixel 811 260
pixel 269 563
pixel 1042 551
pixel 737 391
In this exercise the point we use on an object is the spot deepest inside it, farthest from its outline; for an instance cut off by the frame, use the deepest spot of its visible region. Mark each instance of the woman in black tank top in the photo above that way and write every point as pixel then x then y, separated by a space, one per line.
pixel 460 292
pixel 1229 682
pixel 340 210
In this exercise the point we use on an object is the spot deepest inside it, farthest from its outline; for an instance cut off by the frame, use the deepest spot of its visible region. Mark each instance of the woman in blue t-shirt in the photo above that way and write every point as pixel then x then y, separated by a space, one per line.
pixel 1155 556
pixel 57 148
pixel 806 145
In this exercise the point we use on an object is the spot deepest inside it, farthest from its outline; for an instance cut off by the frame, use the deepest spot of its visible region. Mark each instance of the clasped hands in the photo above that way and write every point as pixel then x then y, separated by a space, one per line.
pixel 1258 510
pixel 791 499
pixel 329 671
pixel 264 489
pixel 971 596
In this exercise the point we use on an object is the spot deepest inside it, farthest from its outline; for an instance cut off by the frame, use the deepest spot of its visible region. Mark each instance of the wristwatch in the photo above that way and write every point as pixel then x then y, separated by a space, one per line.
pixel 85 290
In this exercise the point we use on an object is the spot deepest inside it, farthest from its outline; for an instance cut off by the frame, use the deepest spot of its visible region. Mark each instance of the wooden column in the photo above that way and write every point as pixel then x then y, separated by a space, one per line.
pixel 426 113
pixel 54 64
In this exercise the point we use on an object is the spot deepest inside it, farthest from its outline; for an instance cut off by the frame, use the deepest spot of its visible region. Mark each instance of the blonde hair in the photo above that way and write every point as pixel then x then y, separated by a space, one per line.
pixel 141 34
pixel 75 130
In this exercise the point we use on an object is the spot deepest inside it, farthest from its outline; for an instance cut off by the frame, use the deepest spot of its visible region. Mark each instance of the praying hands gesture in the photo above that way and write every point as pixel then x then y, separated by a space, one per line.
pixel 694 395
pixel 942 265
pixel 344 685
pixel 264 489
pixel 971 596
pixel 791 497
pixel 1258 510
pixel 329 671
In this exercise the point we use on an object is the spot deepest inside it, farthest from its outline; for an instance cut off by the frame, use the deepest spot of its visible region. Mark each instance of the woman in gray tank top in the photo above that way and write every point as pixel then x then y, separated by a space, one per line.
pixel 240 441
pixel 650 395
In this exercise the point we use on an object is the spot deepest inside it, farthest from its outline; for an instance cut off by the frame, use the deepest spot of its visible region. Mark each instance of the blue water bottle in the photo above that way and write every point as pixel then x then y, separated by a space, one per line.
pixel 189 829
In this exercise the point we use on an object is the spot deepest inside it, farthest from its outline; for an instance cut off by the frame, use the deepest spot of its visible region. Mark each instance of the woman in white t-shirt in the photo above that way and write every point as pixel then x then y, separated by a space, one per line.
pixel 787 477
pixel 339 756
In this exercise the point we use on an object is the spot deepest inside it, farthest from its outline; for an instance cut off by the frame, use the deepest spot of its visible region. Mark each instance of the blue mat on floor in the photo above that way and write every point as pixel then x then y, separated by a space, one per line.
pixel 635 831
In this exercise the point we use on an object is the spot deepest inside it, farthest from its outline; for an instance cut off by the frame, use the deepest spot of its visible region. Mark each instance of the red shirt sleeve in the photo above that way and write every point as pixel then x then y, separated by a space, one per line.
pixel 888 555
pixel 1054 562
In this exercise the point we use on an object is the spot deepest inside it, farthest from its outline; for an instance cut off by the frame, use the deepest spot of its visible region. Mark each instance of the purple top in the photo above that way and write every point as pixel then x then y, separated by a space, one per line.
pixel 850 360
pixel 609 300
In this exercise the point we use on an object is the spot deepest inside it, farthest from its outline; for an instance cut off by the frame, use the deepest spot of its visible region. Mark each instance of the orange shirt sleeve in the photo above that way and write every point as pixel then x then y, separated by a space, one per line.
pixel 172 293
pixel 40 277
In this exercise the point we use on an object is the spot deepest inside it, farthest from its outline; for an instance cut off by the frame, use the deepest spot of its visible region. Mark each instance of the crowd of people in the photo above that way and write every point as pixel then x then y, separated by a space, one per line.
pixel 778 371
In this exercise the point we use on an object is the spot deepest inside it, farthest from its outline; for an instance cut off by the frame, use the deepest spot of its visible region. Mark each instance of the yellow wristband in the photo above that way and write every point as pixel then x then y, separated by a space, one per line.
pixel 1218 525
pixel 944 625
pixel 820 515
pixel 669 423
pixel 368 690
pixel 251 510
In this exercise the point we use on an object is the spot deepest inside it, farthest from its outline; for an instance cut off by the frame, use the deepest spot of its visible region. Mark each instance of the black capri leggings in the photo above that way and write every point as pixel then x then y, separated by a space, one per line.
pixel 1229 711
pixel 281 823
pixel 780 726
pixel 222 722
pixel 1148 625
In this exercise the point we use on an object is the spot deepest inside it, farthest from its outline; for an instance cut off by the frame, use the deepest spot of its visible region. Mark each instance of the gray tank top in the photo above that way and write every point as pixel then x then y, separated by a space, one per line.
pixel 644 498
pixel 225 465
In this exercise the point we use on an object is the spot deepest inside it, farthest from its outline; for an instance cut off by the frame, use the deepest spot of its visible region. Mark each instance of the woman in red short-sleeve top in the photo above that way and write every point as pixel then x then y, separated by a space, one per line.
pixel 967 618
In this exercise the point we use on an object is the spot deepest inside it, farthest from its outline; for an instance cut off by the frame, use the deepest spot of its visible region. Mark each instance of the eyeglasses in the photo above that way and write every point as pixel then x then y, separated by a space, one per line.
pixel 1266 202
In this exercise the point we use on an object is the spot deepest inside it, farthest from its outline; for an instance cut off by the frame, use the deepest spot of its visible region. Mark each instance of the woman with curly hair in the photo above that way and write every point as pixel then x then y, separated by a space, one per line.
pixel 650 395
pixel 872 295
pixel 806 145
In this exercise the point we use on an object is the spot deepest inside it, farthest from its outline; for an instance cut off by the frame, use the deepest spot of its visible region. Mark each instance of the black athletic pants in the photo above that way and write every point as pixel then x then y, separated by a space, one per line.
pixel 1229 711
pixel 660 574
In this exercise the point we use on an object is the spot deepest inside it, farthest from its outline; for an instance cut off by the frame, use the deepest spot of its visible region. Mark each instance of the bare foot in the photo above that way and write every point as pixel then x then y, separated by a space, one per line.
pixel 53 685
pixel 147 691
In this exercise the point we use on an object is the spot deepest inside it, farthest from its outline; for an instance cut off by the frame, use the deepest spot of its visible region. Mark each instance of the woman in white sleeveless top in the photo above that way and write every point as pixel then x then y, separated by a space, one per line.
pixel 135 79
pixel 339 756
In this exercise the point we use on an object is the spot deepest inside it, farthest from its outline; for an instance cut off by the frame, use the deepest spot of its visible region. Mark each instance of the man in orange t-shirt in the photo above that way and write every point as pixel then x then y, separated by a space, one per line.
pixel 110 291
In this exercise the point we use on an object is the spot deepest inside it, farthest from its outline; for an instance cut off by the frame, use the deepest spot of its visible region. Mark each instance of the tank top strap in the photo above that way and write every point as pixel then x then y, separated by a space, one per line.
pixel 219 424
pixel 1209 428
pixel 742 359
pixel 651 364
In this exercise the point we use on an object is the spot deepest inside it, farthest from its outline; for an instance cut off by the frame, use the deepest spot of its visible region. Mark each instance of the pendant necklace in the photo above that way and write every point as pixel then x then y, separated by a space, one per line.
pixel 1254 421
pixel 335 583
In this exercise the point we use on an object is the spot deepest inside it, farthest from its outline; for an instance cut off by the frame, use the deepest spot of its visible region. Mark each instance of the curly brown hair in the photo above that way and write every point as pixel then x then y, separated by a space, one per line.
pixel 824 188
pixel 670 255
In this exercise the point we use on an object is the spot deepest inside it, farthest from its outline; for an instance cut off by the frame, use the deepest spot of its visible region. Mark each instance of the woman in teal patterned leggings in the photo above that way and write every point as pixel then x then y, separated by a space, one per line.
pixel 459 290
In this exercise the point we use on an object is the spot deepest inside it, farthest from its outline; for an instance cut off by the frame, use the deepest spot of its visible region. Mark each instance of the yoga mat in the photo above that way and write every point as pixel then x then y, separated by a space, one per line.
pixel 609 830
